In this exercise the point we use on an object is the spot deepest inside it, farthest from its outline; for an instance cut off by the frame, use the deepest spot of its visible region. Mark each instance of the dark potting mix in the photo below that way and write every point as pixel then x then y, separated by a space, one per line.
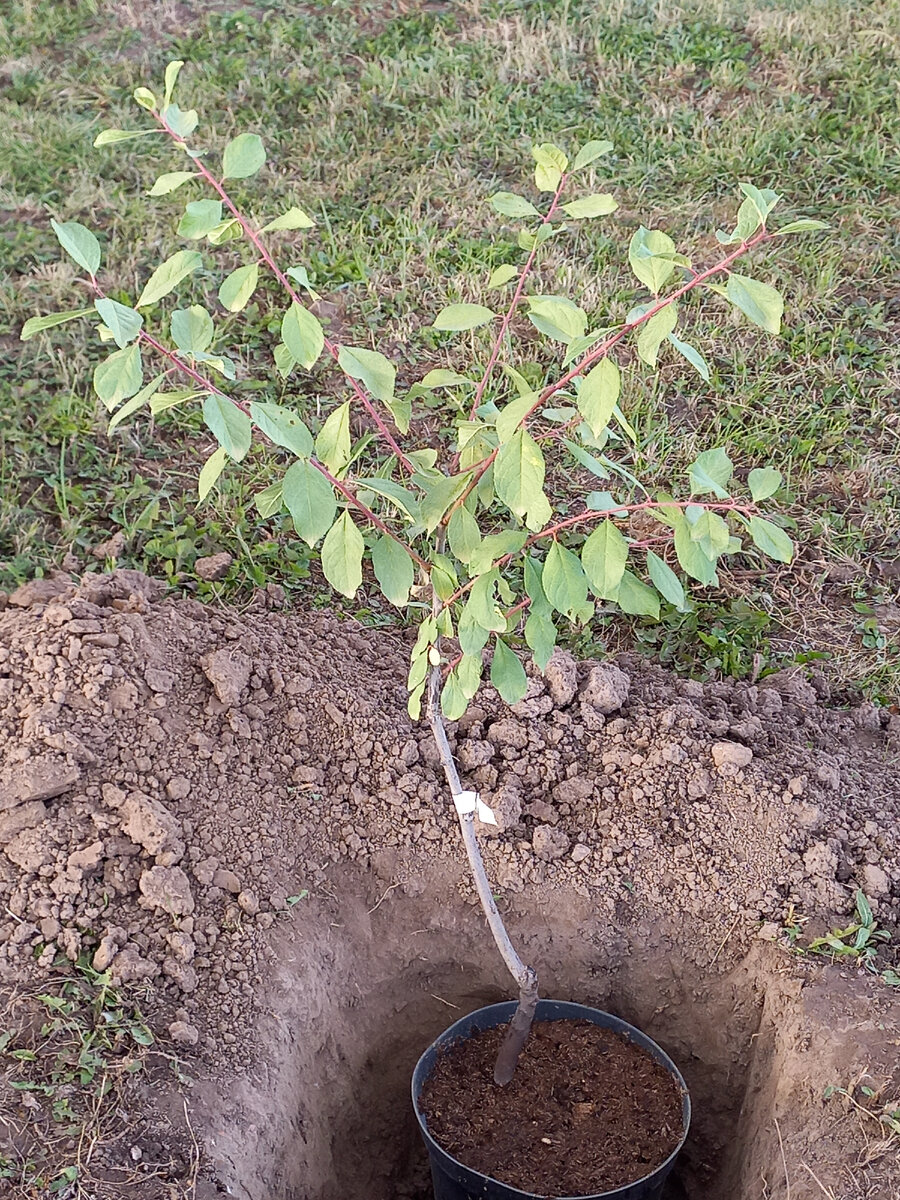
pixel 587 1110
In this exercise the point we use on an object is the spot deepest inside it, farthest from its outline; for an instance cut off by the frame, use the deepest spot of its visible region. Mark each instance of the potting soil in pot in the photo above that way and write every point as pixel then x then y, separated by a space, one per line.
pixel 587 1111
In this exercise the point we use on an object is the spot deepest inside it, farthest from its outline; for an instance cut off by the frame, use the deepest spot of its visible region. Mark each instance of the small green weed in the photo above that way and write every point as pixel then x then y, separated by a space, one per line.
pixel 860 941
pixel 73 1048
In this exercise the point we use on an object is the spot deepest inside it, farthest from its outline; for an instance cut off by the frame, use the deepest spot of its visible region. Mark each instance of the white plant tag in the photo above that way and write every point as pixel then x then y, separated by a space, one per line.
pixel 471 802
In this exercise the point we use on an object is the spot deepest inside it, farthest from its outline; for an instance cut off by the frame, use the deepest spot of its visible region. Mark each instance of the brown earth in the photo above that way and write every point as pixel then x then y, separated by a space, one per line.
pixel 587 1110
pixel 170 775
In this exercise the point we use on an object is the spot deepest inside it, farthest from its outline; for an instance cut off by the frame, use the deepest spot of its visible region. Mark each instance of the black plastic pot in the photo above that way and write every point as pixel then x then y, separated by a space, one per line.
pixel 454 1181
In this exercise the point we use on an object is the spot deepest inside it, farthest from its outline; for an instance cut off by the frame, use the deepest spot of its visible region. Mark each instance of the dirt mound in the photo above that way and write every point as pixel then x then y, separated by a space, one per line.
pixel 177 783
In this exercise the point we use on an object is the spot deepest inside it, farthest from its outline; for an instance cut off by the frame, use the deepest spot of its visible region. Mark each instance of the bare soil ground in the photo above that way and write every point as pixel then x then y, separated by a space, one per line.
pixel 232 815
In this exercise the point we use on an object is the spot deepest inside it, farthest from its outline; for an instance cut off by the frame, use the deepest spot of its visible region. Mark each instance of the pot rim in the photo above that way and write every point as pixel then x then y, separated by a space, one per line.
pixel 505 1009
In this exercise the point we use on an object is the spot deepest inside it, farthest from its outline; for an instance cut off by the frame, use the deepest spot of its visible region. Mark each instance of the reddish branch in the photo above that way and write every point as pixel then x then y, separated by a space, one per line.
pixel 600 351
pixel 514 303
pixel 266 257
pixel 590 514
pixel 208 386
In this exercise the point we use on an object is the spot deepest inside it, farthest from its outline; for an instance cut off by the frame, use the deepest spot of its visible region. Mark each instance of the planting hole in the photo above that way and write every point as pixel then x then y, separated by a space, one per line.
pixel 357 998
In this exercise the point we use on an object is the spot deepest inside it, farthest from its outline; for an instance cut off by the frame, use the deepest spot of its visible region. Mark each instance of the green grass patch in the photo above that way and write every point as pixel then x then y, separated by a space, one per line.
pixel 392 130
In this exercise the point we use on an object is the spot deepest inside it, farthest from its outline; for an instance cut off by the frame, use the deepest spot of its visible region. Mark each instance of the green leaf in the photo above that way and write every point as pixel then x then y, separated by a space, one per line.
pixel 804 225
pixel 109 137
pixel 243 157
pixel 122 322
pixel 238 287
pixel 500 276
pixel 604 556
pixel 599 394
pixel 564 581
pixel 694 357
pixel 482 605
pixel 761 303
pixel 557 317
pixel 217 362
pixel 172 70
pixel 594 465
pixel 230 427
pixel 162 401
pixel 508 204
pixel 342 553
pixel 181 123
pixel 463 533
pixel 119 376
pixel 763 199
pixel 200 216
pixel 294 218
pixel 710 531
pixel 507 674
pixel 711 471
pixel 35 325
pixel 650 255
pixel 636 598
pixel 653 333
pixel 751 215
pixel 772 540
pixel 398 495
pixel 270 500
pixel 468 671
pixel 453 698
pixel 401 411
pixel 79 243
pixel 764 482
pixel 589 151
pixel 145 394
pixel 519 479
pixel 228 230
pixel 748 221
pixel 497 545
pixel 540 636
pixel 302 333
pixel 665 580
pixel 414 703
pixel 693 560
pixel 284 360
pixel 170 181
pixel 551 162
pixel 393 569
pixel 302 276
pixel 283 427
pixel 192 329
pixel 144 98
pixel 443 577
pixel 473 637
pixel 372 368
pixel 456 317
pixel 511 415
pixel 310 501
pixel 600 205
pixel 333 439
pixel 168 275
pixel 210 471
pixel 439 495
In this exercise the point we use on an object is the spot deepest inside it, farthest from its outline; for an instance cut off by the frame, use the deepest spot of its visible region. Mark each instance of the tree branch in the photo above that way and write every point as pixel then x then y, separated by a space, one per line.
pixel 256 240
pixel 525 977
pixel 598 352
pixel 590 514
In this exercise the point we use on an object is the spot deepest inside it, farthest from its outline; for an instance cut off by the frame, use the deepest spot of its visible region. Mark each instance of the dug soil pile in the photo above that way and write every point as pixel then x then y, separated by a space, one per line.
pixel 233 815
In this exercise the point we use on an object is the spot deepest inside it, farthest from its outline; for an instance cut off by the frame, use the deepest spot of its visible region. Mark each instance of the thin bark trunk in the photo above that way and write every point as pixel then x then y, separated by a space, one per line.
pixel 525 977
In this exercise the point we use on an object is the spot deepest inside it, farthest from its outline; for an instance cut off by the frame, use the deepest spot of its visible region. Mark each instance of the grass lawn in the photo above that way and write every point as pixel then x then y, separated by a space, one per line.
pixel 391 124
